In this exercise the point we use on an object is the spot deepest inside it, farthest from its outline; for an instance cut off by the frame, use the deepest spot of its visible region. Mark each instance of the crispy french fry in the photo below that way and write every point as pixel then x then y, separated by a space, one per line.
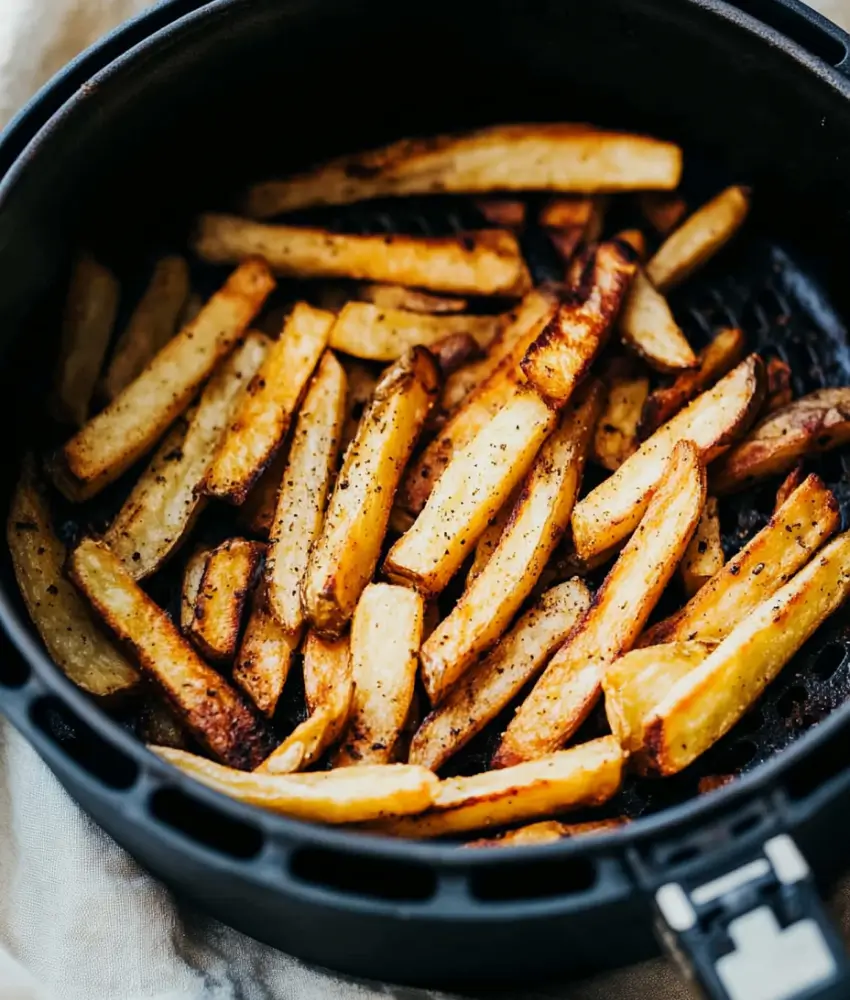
pixel 484 262
pixel 304 490
pixel 663 210
pixel 544 157
pixel 362 380
pixel 489 686
pixel 257 513
pixel 798 528
pixel 570 685
pixel 507 213
pixel 165 502
pixel 152 324
pixel 473 487
pixel 610 513
pixel 811 424
pixel 265 655
pixel 64 622
pixel 349 795
pixel 699 238
pixel 344 556
pixel 308 741
pixel 135 420
pixel 588 774
pixel 789 484
pixel 208 706
pixel 615 437
pixel 266 410
pixel 779 389
pixel 648 327
pixel 192 576
pixel 536 524
pixel 547 831
pixel 410 299
pixel 87 322
pixel 704 555
pixel 327 667
pixel 385 637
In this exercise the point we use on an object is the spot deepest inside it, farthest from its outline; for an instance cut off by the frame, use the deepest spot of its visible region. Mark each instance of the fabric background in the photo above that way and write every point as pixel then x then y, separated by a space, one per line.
pixel 78 919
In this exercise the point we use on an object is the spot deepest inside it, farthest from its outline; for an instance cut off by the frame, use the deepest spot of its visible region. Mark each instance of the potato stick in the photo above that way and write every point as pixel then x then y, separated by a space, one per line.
pixel 72 639
pixel 609 513
pixel 265 655
pixel 209 707
pixel 789 484
pixel 663 210
pixel 152 324
pixel 411 299
pixel 192 576
pixel 135 420
pixel 780 392
pixel 87 322
pixel 570 685
pixel 485 262
pixel 304 490
pixel 508 213
pixel 264 413
pixel 704 555
pixel 350 795
pixel 615 437
pixel 327 667
pixel 257 513
pixel 470 491
pixel 489 686
pixel 699 238
pixel 648 327
pixel 165 502
pixel 486 544
pixel 362 380
pixel 547 831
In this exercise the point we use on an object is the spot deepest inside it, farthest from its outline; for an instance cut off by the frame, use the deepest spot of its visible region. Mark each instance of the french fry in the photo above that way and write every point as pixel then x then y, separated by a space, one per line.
pixel 410 299
pixel 779 389
pixel 611 512
pixel 547 831
pixel 484 262
pixel 789 484
pixel 663 210
pixel 811 424
pixel 797 529
pixel 615 437
pixel 699 238
pixel 507 213
pixel 209 707
pixel 704 555
pixel 257 512
pixel 304 490
pixel 486 544
pixel 191 586
pixel 72 639
pixel 536 524
pixel 720 357
pixel 570 685
pixel 152 324
pixel 709 700
pixel 135 420
pixel 266 410
pixel 489 686
pixel 343 559
pixel 648 327
pixel 473 487
pixel 572 221
pixel 385 637
pixel 87 322
pixel 165 502
pixel 542 157
pixel 563 353
pixel 327 667
pixel 588 774
pixel 229 571
pixel 454 352
pixel 349 795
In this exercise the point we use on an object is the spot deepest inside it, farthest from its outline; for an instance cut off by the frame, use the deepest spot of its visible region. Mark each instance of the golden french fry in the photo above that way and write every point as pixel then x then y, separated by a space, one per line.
pixel 454 351
pixel 410 299
pixel 327 667
pixel 789 484
pixel 648 327
pixel 265 655
pixel 192 576
pixel 704 555
pixel 615 437
pixel 547 831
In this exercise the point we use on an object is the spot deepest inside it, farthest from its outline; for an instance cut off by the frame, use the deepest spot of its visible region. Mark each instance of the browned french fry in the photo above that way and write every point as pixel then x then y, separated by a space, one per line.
pixel 484 262
pixel 135 420
pixel 615 437
pixel 507 213
pixel 648 327
pixel 663 210
pixel 489 686
pixel 327 667
pixel 704 555
pixel 411 299
pixel 699 238
pixel 789 484
pixel 362 380
pixel 209 707
pixel 572 221
pixel 547 831
pixel 257 513
pixel 610 513
pixel 570 685
pixel 192 576
pixel 454 352
pixel 779 390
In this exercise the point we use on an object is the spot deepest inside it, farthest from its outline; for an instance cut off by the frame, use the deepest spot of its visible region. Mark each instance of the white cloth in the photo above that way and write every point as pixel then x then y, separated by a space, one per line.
pixel 78 919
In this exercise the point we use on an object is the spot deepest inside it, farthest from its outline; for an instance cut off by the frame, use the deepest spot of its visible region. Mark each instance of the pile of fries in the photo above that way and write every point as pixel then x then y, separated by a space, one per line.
pixel 406 457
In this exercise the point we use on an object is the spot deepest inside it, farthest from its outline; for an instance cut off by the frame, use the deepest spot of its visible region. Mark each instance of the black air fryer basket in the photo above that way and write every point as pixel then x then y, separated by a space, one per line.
pixel 173 113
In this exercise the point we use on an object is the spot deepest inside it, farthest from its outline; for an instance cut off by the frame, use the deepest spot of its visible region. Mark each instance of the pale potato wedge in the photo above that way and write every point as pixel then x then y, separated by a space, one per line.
pixel 362 380
pixel 304 490
pixel 327 667
pixel 165 502
pixel 535 157
pixel 797 529
pixel 136 419
pixel 611 512
pixel 811 424
pixel 547 831
pixel 536 524
pixel 563 353
pixel 506 213
pixel 87 323
pixel 648 327
pixel 615 436
pixel 257 512
pixel 152 324
pixel 349 795
pixel 699 238
pixel 789 484
pixel 212 711
pixel 228 574
pixel 410 299
pixel 193 573
pixel 66 626
pixel 375 333
pixel 343 559
pixel 569 687
pixel 489 686
pixel 663 210
pixel 704 555
pixel 265 411
pixel 484 262
pixel 385 636
pixel 585 775
pixel 709 700
pixel 473 487
pixel 779 389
